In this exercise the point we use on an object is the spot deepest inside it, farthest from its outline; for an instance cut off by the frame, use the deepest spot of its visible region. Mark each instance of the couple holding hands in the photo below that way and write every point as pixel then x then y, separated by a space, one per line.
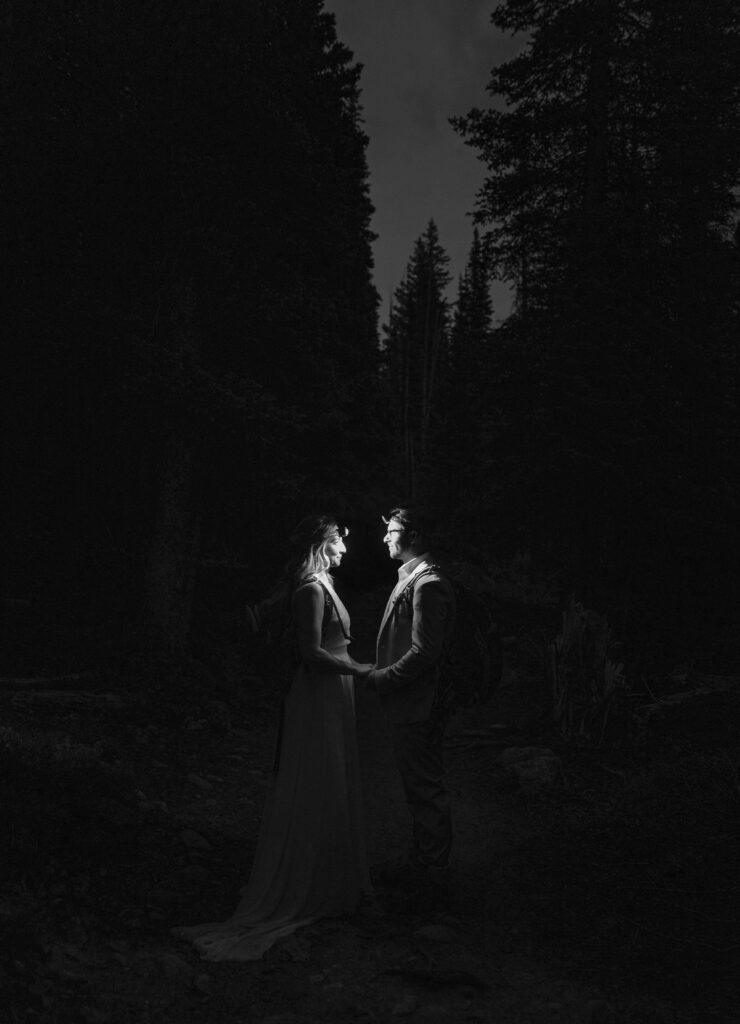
pixel 310 860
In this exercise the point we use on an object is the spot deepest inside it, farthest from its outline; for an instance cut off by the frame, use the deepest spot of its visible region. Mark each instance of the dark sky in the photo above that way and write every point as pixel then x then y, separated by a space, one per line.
pixel 424 61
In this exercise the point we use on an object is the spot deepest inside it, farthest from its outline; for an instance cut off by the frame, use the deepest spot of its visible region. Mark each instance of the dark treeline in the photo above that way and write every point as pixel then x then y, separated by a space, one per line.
pixel 596 428
pixel 192 358
pixel 193 327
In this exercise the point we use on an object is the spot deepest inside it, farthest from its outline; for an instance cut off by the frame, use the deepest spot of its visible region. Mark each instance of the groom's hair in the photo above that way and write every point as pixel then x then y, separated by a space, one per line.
pixel 413 518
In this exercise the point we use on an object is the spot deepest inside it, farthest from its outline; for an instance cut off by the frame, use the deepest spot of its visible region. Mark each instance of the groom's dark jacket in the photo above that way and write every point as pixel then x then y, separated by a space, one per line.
pixel 412 640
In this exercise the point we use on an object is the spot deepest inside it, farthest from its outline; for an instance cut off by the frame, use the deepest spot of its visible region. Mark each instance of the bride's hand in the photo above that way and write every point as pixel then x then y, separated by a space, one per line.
pixel 362 669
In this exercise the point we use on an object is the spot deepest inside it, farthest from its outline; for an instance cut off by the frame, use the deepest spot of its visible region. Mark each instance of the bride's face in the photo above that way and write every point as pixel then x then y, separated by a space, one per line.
pixel 335 549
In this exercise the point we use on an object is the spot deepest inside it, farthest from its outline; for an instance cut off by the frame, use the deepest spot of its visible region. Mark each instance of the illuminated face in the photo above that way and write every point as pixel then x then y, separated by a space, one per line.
pixel 335 549
pixel 395 540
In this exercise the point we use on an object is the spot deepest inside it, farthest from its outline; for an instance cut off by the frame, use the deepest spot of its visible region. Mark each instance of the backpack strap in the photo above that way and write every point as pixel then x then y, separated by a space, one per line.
pixel 328 608
pixel 407 594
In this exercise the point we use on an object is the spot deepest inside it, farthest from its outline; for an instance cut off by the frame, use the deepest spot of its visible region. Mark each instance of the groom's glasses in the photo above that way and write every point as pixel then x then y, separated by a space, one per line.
pixel 404 529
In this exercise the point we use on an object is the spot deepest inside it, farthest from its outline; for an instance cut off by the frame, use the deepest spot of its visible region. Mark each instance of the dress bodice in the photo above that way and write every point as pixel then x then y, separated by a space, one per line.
pixel 337 630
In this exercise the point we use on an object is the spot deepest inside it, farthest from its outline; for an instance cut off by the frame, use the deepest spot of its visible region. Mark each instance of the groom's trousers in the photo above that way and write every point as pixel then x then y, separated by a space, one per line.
pixel 419 754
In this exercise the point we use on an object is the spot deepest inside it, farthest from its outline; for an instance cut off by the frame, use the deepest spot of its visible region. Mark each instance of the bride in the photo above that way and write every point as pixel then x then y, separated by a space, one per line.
pixel 310 860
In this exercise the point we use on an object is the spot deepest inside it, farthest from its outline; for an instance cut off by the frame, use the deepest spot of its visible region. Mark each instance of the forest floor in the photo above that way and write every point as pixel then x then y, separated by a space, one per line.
pixel 561 901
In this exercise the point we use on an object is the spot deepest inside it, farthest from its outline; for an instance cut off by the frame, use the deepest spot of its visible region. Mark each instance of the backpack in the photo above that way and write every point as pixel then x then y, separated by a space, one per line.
pixel 472 665
pixel 270 623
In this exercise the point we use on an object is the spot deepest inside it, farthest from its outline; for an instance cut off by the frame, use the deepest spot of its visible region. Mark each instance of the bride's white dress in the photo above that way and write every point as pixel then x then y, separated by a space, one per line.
pixel 310 860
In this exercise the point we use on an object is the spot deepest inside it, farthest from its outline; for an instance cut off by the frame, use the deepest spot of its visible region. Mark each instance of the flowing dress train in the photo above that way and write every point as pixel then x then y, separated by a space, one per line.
pixel 310 860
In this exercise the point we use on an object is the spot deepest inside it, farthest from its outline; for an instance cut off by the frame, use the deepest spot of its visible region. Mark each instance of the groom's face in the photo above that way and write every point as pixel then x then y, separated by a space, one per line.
pixel 395 540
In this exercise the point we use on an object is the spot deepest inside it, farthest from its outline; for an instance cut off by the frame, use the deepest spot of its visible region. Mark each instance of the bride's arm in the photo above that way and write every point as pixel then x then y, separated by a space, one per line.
pixel 308 614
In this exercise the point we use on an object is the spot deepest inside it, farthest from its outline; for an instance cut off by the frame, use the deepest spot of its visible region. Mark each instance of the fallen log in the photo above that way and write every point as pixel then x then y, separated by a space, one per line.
pixel 708 711
pixel 39 682
pixel 438 978
pixel 69 699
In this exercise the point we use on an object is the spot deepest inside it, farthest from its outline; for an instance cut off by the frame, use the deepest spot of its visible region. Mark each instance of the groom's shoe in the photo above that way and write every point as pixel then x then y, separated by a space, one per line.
pixel 413 888
pixel 370 915
pixel 425 899
pixel 398 874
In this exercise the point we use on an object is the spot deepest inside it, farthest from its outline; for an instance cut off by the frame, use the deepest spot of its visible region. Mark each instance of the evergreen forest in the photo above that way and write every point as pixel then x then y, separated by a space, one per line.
pixel 195 355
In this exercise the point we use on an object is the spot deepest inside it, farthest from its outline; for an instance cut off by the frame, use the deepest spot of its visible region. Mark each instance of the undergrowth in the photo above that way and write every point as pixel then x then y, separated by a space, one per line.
pixel 639 865
pixel 65 806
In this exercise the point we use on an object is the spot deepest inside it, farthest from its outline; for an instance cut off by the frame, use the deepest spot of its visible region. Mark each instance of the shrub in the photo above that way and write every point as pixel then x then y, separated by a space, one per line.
pixel 65 808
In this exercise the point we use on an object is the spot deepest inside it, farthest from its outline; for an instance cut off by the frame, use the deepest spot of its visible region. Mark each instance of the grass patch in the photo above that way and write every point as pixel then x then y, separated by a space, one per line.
pixel 66 808
pixel 637 867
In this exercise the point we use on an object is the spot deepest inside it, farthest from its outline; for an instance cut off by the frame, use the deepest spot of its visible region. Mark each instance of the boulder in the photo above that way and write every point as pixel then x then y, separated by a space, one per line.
pixel 535 769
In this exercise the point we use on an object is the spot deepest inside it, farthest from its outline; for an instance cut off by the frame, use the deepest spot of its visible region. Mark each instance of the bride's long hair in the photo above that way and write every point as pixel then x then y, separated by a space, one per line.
pixel 307 557
pixel 307 546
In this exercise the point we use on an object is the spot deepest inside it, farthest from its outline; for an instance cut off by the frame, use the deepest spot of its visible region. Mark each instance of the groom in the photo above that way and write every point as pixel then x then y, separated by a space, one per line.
pixel 417 623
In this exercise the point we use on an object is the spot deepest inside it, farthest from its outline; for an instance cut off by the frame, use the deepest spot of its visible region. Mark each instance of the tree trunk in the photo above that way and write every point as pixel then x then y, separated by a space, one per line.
pixel 408 436
pixel 175 542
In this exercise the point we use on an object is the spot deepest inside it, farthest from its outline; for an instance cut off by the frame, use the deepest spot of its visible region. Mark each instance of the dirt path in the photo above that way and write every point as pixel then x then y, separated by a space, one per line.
pixel 483 960
pixel 434 967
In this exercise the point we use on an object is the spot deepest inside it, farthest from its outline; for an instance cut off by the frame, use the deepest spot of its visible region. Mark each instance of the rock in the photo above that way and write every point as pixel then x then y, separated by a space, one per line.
pixel 512 755
pixel 69 949
pixel 536 769
pixel 370 912
pixel 165 897
pixel 297 948
pixel 406 1005
pixel 220 715
pixel 447 919
pixel 192 874
pixel 430 1014
pixel 76 933
pixel 120 815
pixel 119 945
pixel 81 885
pixel 195 841
pixel 92 1015
pixel 477 1012
pixel 341 1000
pixel 203 983
pixel 175 967
pixel 598 1011
pixel 65 960
pixel 200 783
pixel 436 933
pixel 540 775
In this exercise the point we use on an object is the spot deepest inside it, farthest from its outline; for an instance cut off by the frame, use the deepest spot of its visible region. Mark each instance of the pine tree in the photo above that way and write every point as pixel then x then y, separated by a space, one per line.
pixel 615 138
pixel 189 248
pixel 613 161
pixel 416 338
pixel 472 325
pixel 464 429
